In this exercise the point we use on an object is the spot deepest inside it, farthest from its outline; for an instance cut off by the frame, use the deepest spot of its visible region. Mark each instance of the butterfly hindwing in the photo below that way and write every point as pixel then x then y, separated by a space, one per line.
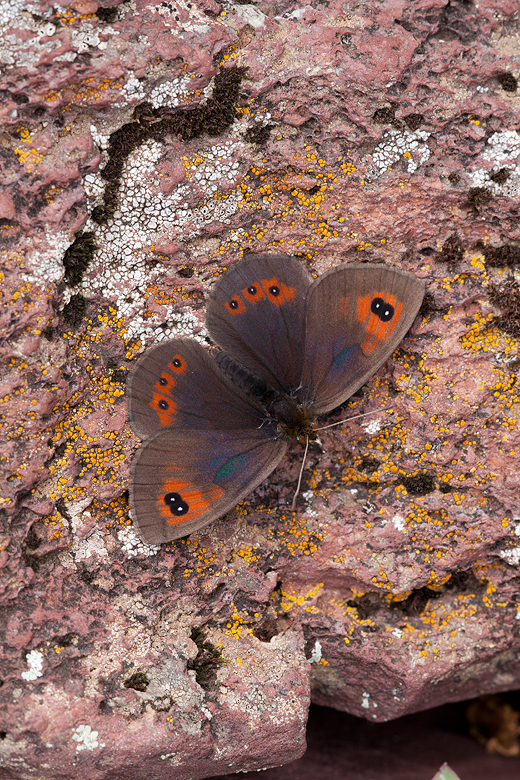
pixel 256 313
pixel 182 480
pixel 355 317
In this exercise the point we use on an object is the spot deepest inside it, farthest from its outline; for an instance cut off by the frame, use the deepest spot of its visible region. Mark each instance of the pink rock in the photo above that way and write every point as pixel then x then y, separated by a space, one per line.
pixel 385 132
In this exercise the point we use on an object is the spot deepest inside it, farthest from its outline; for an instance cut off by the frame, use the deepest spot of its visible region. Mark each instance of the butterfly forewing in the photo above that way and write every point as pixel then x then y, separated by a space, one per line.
pixel 355 317
pixel 256 313
pixel 178 385
pixel 182 480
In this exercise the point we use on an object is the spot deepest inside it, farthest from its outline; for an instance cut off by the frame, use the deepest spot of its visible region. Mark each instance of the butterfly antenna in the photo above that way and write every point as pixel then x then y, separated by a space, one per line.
pixel 356 417
pixel 301 473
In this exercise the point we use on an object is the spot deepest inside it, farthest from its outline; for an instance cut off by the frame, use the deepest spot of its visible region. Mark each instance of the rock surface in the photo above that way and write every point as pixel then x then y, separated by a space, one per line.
pixel 144 148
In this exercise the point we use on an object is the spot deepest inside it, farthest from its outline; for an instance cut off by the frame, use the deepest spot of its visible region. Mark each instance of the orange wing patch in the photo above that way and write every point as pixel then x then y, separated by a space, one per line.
pixel 164 407
pixel 178 365
pixel 180 500
pixel 236 305
pixel 379 314
pixel 162 401
pixel 253 293
pixel 277 292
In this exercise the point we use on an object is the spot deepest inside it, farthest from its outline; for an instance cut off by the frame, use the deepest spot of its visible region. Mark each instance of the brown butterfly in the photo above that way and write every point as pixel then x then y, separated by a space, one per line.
pixel 291 348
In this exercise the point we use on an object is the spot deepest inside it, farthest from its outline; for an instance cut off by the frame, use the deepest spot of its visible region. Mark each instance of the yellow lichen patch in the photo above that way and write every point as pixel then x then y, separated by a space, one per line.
pixel 300 202
pixel 29 157
pixel 201 560
pixel 248 553
pixel 84 92
pixel 69 15
pixel 295 536
pixel 482 336
pixel 110 513
pixel 292 597
pixel 52 192
pixel 240 620
pixel 84 434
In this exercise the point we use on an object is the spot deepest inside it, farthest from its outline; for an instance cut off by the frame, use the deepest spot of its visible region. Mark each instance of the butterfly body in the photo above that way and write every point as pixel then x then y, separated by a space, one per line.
pixel 294 420
pixel 292 348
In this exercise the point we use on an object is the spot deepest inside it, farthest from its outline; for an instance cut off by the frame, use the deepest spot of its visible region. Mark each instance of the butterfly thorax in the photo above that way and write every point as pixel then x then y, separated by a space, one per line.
pixel 294 420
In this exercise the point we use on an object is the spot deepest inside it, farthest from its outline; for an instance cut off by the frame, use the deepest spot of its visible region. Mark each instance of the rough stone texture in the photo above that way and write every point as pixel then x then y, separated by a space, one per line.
pixel 144 147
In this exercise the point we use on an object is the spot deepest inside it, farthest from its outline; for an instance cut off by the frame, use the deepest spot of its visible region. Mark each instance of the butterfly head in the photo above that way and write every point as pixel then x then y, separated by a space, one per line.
pixel 296 421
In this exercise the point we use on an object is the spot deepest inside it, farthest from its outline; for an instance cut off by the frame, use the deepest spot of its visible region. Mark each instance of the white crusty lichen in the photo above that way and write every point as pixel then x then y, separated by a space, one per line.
pixel 133 545
pixel 35 662
pixel 397 144
pixel 501 153
pixel 511 556
pixel 86 738
pixel 28 33
pixel 145 217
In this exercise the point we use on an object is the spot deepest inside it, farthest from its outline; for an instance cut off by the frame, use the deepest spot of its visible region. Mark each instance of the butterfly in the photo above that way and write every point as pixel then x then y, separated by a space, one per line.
pixel 291 348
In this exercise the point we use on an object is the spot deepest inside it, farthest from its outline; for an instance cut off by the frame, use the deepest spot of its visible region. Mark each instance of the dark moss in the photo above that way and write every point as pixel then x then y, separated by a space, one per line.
pixel 212 118
pixel 119 375
pixel 445 487
pixel 454 178
pixel 386 115
pixel 138 681
pixel 207 660
pixel 107 15
pixel 413 121
pixel 77 258
pixel 66 640
pixel 452 250
pixel 418 484
pixel 74 310
pixel 501 256
pixel 259 134
pixel 501 176
pixel 477 197
pixel 186 272
pixel 506 297
pixel 508 82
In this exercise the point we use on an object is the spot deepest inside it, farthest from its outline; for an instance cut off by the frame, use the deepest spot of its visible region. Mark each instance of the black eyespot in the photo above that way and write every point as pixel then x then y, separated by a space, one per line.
pixel 163 404
pixel 175 504
pixel 274 290
pixel 176 362
pixel 233 304
pixel 385 311
pixel 252 290
pixel 163 381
